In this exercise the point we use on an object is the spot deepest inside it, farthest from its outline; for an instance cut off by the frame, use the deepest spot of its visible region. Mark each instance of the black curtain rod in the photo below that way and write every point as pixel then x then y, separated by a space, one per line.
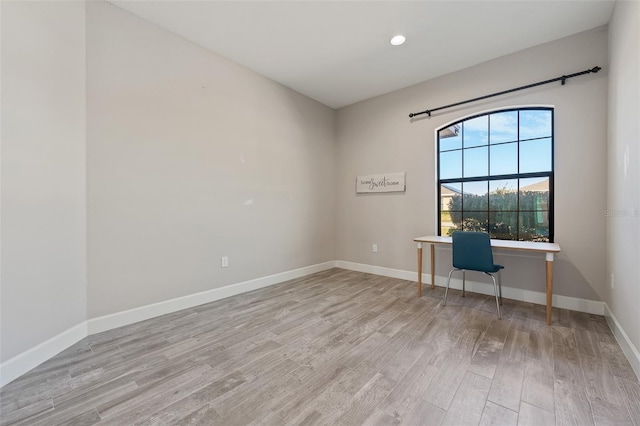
pixel 564 78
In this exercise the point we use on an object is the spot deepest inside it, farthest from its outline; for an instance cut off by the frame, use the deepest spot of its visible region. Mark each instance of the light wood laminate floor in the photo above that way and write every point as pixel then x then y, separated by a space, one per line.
pixel 338 348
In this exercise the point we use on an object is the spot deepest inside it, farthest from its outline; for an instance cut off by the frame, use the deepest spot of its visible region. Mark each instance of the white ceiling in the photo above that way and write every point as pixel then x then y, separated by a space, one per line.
pixel 338 52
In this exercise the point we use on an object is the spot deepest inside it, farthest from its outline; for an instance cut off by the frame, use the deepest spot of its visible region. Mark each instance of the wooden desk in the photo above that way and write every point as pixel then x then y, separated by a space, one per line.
pixel 548 248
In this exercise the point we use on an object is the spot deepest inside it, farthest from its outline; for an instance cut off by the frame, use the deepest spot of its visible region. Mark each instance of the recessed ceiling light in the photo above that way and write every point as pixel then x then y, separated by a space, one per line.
pixel 397 40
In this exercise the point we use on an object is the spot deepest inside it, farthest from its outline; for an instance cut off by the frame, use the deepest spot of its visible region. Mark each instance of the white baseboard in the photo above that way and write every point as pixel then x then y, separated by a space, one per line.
pixel 380 270
pixel 629 349
pixel 21 363
pixel 119 319
pixel 530 296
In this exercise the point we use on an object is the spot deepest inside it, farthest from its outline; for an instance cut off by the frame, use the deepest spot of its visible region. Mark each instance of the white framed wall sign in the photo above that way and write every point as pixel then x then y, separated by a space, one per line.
pixel 385 182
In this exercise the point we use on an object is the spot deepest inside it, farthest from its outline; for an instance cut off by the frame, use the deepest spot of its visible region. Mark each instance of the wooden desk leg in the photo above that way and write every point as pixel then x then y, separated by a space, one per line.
pixel 433 266
pixel 549 286
pixel 419 269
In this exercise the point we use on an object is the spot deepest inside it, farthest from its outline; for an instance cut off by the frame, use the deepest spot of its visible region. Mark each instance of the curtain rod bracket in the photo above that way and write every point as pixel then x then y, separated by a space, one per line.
pixel 426 111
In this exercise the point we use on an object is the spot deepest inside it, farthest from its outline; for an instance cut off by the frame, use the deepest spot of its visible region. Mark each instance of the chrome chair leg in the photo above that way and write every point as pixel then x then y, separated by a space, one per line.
pixel 463 282
pixel 446 290
pixel 500 284
pixel 495 289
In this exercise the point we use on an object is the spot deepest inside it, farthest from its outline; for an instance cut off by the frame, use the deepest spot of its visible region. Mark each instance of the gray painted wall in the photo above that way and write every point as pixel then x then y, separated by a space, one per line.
pixel 43 278
pixel 192 157
pixel 623 175
pixel 376 136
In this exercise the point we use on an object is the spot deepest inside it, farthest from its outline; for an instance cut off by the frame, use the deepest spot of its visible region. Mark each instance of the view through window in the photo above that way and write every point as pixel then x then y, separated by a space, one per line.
pixel 495 174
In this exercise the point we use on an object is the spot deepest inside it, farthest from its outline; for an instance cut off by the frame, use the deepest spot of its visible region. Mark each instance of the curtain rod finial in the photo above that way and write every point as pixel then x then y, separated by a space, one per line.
pixel 595 69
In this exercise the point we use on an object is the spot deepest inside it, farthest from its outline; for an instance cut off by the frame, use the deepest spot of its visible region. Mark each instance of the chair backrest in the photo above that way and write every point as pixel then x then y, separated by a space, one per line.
pixel 472 251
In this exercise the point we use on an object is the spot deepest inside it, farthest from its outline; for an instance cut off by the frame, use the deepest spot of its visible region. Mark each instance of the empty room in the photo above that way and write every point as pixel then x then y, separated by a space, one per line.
pixel 319 212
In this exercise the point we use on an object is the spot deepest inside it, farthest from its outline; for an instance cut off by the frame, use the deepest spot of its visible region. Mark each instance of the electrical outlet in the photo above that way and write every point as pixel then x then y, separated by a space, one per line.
pixel 612 281
pixel 224 261
pixel 375 248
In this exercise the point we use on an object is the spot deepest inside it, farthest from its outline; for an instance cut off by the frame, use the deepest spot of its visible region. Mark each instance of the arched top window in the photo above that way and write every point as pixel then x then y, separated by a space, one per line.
pixel 495 174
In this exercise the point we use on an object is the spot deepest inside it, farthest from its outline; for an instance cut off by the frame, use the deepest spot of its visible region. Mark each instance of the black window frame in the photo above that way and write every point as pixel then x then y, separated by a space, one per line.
pixel 517 176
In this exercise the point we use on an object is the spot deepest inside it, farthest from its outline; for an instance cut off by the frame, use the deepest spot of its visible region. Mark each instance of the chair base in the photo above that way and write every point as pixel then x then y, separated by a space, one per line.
pixel 497 287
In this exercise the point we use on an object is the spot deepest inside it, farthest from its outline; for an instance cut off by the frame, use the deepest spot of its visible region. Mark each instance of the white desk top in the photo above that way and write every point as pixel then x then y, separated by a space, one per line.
pixel 499 244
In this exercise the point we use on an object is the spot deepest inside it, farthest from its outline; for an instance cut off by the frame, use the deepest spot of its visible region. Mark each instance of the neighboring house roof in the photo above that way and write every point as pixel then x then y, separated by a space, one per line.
pixel 449 190
pixel 542 186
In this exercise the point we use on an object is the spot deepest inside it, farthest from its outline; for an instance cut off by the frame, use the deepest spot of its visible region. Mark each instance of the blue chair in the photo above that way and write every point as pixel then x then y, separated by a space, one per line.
pixel 472 252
